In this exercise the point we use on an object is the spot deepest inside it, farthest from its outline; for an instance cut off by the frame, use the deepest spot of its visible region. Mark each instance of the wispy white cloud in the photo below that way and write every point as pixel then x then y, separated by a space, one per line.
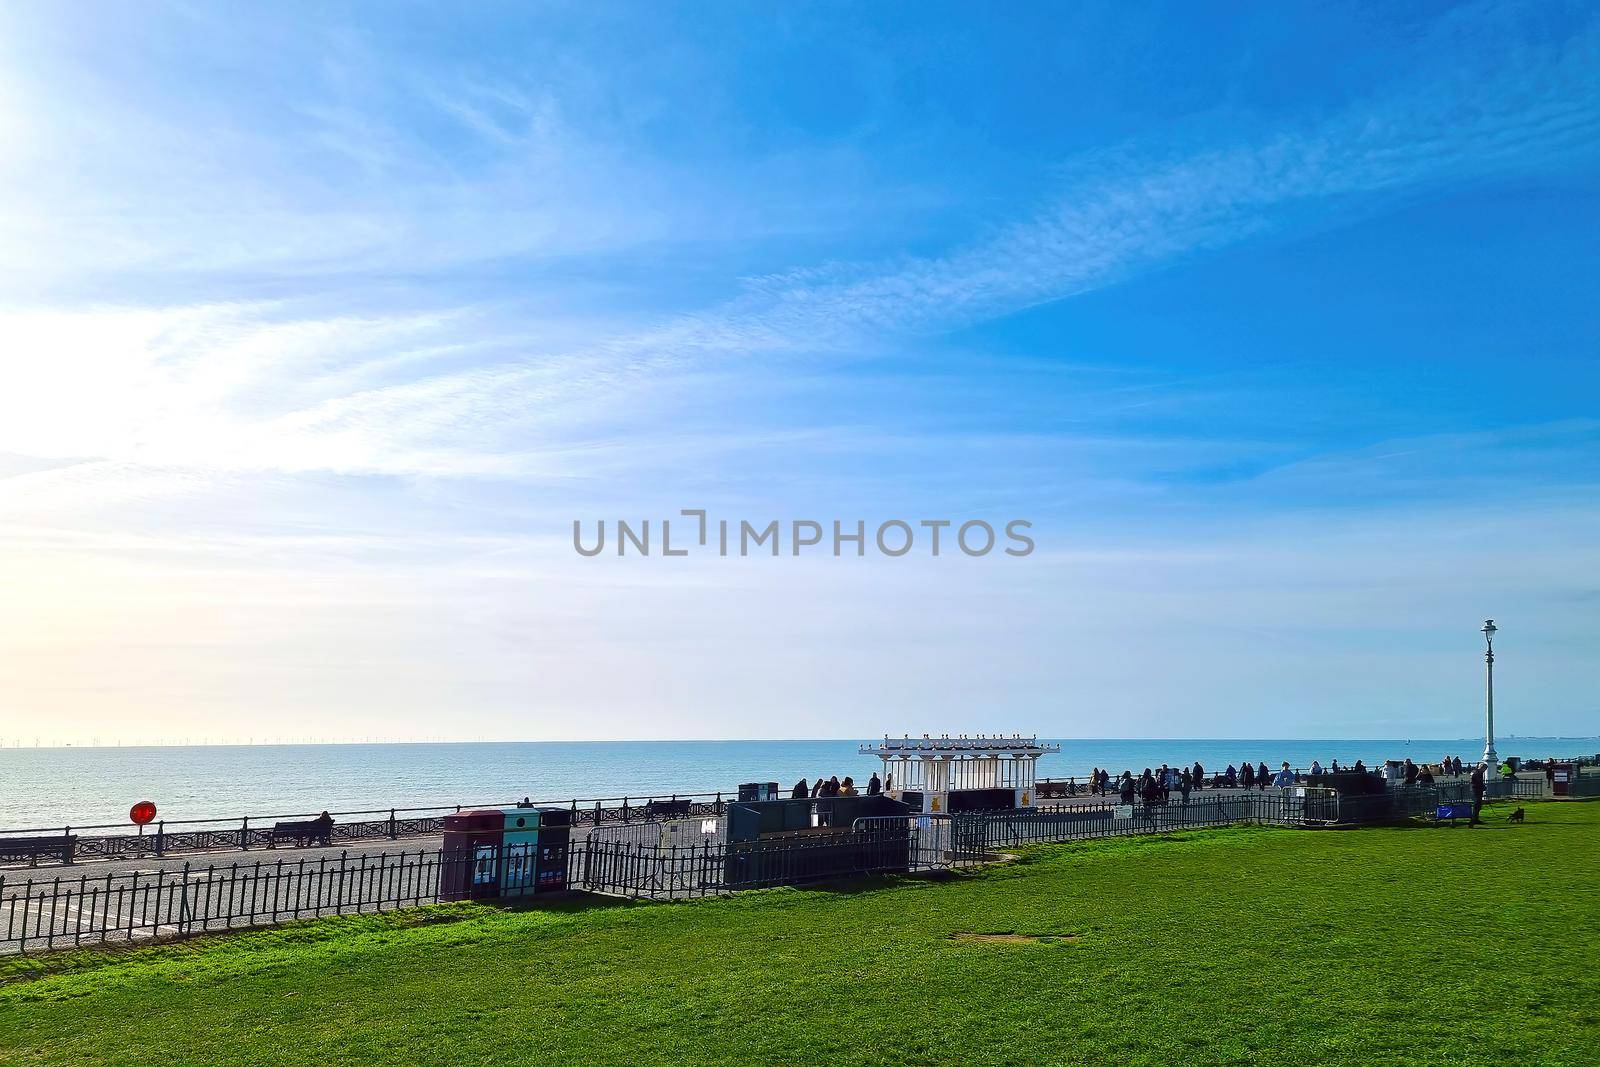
pixel 478 393
pixel 200 439
pixel 262 387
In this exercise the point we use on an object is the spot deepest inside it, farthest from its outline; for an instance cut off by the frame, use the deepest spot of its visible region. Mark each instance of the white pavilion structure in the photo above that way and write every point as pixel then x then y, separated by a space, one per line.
pixel 978 772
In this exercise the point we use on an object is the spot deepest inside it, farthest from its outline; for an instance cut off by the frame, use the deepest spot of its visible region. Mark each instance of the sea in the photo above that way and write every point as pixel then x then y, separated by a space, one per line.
pixel 83 786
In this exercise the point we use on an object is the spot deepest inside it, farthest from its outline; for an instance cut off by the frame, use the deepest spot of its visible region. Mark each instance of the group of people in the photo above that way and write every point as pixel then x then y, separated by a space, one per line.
pixel 833 787
pixel 1161 784
pixel 1157 786
pixel 1247 775
pixel 1412 774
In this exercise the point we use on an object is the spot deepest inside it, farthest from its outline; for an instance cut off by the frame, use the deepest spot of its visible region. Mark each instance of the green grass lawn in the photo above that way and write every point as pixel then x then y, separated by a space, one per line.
pixel 1447 946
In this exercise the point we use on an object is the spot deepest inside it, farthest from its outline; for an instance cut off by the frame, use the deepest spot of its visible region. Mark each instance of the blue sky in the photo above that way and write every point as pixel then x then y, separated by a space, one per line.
pixel 320 324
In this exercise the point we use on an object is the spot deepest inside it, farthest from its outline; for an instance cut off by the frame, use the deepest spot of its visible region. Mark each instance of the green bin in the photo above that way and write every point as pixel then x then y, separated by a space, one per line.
pixel 519 852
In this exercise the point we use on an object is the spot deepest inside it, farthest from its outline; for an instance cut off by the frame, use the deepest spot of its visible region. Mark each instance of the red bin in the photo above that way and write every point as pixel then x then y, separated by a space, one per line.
pixel 469 863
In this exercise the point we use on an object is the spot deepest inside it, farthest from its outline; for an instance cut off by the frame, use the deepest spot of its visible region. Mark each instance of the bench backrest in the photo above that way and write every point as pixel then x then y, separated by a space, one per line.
pixel 669 807
pixel 37 844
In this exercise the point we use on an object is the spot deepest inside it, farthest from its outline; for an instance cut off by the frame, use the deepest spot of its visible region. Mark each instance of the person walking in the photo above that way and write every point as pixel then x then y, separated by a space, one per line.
pixel 1477 794
pixel 1199 775
pixel 1411 772
pixel 1185 783
pixel 1247 775
pixel 1262 777
pixel 874 787
pixel 801 790
pixel 1125 788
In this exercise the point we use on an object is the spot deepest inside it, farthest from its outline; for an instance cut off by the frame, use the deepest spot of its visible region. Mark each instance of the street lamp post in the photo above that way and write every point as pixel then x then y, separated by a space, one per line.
pixel 1490 760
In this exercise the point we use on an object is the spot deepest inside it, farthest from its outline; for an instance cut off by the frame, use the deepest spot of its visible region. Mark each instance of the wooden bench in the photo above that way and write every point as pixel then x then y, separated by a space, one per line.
pixel 61 846
pixel 309 832
pixel 667 809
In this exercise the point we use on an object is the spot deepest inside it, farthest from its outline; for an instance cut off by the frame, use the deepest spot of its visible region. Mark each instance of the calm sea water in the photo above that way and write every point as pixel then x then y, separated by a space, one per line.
pixel 82 786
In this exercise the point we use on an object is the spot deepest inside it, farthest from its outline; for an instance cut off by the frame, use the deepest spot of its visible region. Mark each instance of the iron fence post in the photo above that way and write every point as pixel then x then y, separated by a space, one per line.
pixel 183 902
pixel 27 897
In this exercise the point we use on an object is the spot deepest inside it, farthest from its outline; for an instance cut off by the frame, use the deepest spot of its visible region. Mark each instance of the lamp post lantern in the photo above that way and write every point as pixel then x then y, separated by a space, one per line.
pixel 1490 760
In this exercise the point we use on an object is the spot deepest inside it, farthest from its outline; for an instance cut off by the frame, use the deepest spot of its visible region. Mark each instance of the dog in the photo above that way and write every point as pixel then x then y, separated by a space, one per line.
pixel 1517 816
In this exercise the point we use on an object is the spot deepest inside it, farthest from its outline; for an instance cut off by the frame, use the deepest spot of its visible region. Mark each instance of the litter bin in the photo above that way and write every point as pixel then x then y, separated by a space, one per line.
pixel 752 792
pixel 533 851
pixel 519 851
pixel 469 863
pixel 550 859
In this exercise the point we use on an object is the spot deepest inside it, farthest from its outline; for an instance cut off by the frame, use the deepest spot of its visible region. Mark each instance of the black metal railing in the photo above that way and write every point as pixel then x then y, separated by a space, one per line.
pixel 250 832
pixel 244 833
pixel 66 911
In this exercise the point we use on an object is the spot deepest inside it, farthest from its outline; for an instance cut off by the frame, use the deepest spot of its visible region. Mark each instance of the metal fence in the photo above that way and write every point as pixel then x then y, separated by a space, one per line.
pixel 670 872
pixel 1060 823
pixel 70 911
pixel 65 912
pixel 250 832
pixel 695 831
pixel 647 860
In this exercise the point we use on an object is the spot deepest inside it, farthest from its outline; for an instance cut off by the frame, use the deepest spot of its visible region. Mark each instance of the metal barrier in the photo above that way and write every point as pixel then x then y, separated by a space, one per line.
pixel 653 863
pixel 695 831
pixel 65 912
pixel 934 842
pixel 249 832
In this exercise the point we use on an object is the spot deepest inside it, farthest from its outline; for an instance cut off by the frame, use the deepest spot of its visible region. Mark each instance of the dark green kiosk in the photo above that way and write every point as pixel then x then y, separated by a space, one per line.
pixel 805 839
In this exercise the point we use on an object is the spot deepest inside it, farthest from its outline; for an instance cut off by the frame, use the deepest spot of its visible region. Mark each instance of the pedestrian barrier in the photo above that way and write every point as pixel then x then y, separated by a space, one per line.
pixel 661 860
